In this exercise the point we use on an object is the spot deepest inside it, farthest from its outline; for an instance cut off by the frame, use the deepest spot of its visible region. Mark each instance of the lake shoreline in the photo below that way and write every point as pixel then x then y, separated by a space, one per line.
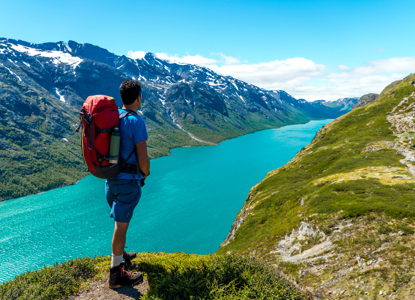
pixel 169 154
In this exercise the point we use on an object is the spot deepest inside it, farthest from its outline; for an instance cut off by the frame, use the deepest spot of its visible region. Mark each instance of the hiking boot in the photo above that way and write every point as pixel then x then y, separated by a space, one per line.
pixel 128 257
pixel 119 277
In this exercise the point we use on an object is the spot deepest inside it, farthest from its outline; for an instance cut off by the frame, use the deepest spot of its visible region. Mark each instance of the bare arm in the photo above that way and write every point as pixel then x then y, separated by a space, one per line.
pixel 143 160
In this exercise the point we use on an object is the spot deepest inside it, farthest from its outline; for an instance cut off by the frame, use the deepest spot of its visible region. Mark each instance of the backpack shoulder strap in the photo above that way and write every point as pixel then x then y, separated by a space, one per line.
pixel 127 113
pixel 124 115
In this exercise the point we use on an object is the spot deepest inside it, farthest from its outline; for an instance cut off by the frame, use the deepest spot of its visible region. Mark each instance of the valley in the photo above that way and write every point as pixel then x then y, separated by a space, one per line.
pixel 43 86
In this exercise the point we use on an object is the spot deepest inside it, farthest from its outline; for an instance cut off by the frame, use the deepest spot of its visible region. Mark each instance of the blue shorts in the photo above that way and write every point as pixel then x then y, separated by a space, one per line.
pixel 122 196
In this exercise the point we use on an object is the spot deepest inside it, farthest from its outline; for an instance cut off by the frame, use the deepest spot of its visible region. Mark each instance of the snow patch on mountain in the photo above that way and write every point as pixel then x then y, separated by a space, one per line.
pixel 11 72
pixel 243 100
pixel 214 84
pixel 13 62
pixel 58 57
pixel 61 97
pixel 233 82
pixel 67 47
pixel 175 121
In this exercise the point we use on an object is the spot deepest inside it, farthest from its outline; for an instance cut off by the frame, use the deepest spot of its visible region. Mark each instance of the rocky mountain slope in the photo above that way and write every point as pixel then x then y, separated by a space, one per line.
pixel 43 86
pixel 339 218
pixel 365 99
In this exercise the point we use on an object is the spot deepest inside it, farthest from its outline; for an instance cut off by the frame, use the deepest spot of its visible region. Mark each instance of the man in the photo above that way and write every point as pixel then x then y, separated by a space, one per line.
pixel 124 190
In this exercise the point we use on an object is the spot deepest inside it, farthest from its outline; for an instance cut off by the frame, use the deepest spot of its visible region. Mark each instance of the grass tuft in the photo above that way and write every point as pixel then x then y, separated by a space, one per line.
pixel 53 282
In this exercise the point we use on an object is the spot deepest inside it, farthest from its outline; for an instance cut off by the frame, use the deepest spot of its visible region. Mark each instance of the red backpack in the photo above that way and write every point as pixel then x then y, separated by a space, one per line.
pixel 99 117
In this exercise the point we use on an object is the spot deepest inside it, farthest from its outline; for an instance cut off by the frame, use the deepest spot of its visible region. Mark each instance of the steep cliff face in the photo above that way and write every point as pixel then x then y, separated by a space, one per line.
pixel 339 217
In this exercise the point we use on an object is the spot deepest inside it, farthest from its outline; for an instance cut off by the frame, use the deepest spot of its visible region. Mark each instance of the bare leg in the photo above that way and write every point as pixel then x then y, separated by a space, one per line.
pixel 119 237
pixel 118 275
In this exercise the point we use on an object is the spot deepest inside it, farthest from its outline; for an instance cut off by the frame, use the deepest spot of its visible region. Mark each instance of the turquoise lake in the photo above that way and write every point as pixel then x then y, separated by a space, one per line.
pixel 189 204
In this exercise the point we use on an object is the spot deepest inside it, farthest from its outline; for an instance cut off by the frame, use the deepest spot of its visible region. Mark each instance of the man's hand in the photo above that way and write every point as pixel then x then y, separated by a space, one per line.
pixel 143 160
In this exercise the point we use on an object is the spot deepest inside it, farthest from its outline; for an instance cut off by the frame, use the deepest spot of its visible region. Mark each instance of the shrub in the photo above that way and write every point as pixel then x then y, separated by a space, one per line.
pixel 53 282
pixel 221 277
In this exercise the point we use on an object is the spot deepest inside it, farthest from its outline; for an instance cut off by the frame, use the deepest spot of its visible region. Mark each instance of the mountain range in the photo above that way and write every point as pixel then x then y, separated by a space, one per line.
pixel 43 86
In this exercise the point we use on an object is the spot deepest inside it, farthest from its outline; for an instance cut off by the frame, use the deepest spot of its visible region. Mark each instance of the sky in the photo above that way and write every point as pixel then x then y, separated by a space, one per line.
pixel 312 49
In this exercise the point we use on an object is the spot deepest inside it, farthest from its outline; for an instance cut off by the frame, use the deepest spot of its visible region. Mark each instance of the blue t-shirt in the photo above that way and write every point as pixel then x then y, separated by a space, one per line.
pixel 132 130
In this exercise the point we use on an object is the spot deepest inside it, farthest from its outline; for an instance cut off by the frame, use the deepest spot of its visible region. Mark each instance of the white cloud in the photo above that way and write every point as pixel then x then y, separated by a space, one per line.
pixel 343 68
pixel 395 64
pixel 304 78
pixel 188 59
pixel 136 54
pixel 229 60
pixel 371 77
pixel 271 75
pixel 348 86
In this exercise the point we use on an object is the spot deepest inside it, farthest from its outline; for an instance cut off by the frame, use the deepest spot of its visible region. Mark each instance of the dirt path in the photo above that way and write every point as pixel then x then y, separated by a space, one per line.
pixel 99 290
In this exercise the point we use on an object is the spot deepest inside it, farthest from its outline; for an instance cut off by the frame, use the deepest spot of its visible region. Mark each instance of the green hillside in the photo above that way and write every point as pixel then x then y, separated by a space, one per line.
pixel 339 217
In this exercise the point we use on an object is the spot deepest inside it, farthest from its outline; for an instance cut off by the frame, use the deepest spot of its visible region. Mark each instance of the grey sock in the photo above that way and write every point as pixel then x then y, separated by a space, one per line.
pixel 116 260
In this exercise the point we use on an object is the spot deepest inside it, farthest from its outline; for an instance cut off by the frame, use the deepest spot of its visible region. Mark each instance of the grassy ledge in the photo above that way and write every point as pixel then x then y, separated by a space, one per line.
pixel 170 276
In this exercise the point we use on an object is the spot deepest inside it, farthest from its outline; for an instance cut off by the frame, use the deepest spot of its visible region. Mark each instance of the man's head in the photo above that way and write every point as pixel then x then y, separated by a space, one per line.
pixel 130 90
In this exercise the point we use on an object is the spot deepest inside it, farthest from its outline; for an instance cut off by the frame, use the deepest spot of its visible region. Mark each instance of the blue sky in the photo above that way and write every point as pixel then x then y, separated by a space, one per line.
pixel 311 49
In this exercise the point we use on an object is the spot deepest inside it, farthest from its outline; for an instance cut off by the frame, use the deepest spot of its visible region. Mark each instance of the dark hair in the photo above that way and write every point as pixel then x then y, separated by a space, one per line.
pixel 129 91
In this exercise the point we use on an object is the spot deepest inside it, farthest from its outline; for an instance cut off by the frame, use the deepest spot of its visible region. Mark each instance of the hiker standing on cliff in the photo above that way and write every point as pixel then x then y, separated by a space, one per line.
pixel 124 190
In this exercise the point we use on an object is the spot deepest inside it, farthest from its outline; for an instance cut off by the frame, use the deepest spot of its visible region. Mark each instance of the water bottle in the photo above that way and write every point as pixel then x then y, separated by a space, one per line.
pixel 115 146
